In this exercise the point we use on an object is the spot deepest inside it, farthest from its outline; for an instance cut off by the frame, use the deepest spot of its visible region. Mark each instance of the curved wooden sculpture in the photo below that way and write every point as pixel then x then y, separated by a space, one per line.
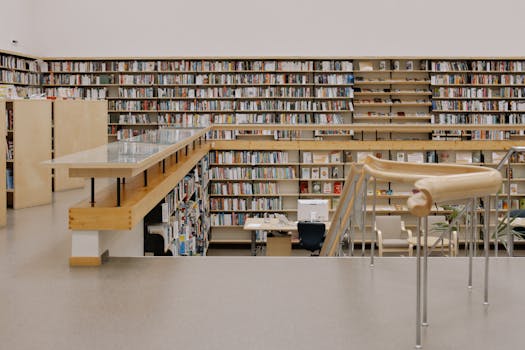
pixel 436 183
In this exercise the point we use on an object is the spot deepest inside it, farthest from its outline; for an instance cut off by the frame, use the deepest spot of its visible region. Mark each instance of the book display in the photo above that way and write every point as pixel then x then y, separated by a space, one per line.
pixel 180 224
pixel 392 91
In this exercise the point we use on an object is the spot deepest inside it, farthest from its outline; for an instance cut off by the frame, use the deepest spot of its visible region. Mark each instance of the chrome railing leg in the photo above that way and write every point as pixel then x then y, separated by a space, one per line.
pixel 471 242
pixel 486 247
pixel 373 241
pixel 418 285
pixel 425 271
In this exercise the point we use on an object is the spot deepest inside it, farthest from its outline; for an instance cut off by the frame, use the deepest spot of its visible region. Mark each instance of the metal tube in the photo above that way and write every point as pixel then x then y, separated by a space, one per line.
pixel 373 243
pixel 425 272
pixel 418 285
pixel 363 216
pixel 470 243
pixel 510 241
pixel 496 233
pixel 486 247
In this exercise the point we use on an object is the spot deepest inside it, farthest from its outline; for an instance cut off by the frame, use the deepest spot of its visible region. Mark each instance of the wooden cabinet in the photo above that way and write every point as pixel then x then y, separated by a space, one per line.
pixel 78 125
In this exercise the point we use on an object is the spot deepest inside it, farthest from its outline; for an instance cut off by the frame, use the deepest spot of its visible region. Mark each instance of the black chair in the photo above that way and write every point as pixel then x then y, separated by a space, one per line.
pixel 311 235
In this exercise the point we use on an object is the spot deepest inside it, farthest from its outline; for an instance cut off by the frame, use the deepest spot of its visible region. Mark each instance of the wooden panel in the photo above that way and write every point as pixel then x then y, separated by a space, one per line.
pixel 136 200
pixel 3 194
pixel 32 145
pixel 78 125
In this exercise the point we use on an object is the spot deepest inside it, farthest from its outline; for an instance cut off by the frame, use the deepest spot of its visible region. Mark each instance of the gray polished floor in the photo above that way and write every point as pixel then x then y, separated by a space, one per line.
pixel 239 302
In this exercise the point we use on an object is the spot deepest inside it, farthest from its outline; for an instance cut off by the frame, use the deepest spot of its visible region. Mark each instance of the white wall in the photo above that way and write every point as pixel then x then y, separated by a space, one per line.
pixel 17 23
pixel 275 27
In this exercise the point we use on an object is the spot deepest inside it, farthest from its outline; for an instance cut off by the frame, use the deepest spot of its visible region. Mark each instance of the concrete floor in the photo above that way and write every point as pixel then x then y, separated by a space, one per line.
pixel 239 302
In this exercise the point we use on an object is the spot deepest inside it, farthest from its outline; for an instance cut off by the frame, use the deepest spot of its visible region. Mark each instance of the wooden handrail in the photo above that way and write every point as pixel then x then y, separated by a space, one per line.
pixel 435 183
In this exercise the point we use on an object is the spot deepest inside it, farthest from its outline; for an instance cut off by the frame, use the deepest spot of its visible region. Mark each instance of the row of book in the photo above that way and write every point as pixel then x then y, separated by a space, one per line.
pixel 182 65
pixel 14 62
pixel 229 106
pixel 10 150
pixel 478 105
pixel 242 204
pixel 78 79
pixel 319 187
pixel 243 188
pixel 223 219
pixel 247 92
pixel 479 65
pixel 255 173
pixel 17 77
pixel 445 118
pixel 474 92
pixel 309 173
pixel 278 118
pixel 511 79
pixel 136 92
pixel 254 78
pixel 78 92
pixel 248 157
pixel 144 105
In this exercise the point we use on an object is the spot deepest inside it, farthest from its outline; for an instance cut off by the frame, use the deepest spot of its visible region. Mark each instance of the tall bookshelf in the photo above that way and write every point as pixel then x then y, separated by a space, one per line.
pixel 28 124
pixel 21 71
pixel 148 93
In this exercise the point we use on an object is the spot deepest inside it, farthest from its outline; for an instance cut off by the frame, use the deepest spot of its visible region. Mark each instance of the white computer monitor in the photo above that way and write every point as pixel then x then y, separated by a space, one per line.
pixel 312 210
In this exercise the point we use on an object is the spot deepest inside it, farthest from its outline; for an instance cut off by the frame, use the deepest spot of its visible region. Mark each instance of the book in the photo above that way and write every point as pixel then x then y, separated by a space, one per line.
pixel 400 156
pixel 366 66
pixel 316 187
pixel 338 187
pixel 497 156
pixel 305 173
pixel 307 157
pixel 464 157
pixel 335 202
pixel 335 157
pixel 323 173
pixel 415 157
pixel 315 173
pixel 513 188
pixel 320 157
pixel 335 173
pixel 327 187
pixel 303 186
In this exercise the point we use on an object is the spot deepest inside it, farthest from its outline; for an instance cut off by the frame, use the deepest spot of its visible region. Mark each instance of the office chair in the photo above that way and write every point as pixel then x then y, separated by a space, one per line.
pixel 311 235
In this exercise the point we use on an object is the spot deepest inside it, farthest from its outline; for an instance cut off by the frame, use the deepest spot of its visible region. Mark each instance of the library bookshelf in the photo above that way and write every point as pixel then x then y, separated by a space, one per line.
pixel 420 109
pixel 28 124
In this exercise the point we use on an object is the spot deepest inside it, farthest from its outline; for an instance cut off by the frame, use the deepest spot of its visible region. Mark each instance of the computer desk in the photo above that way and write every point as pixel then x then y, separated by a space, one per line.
pixel 273 225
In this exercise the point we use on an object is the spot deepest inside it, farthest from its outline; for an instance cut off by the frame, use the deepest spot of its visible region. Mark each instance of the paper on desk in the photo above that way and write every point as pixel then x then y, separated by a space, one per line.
pixel 255 225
